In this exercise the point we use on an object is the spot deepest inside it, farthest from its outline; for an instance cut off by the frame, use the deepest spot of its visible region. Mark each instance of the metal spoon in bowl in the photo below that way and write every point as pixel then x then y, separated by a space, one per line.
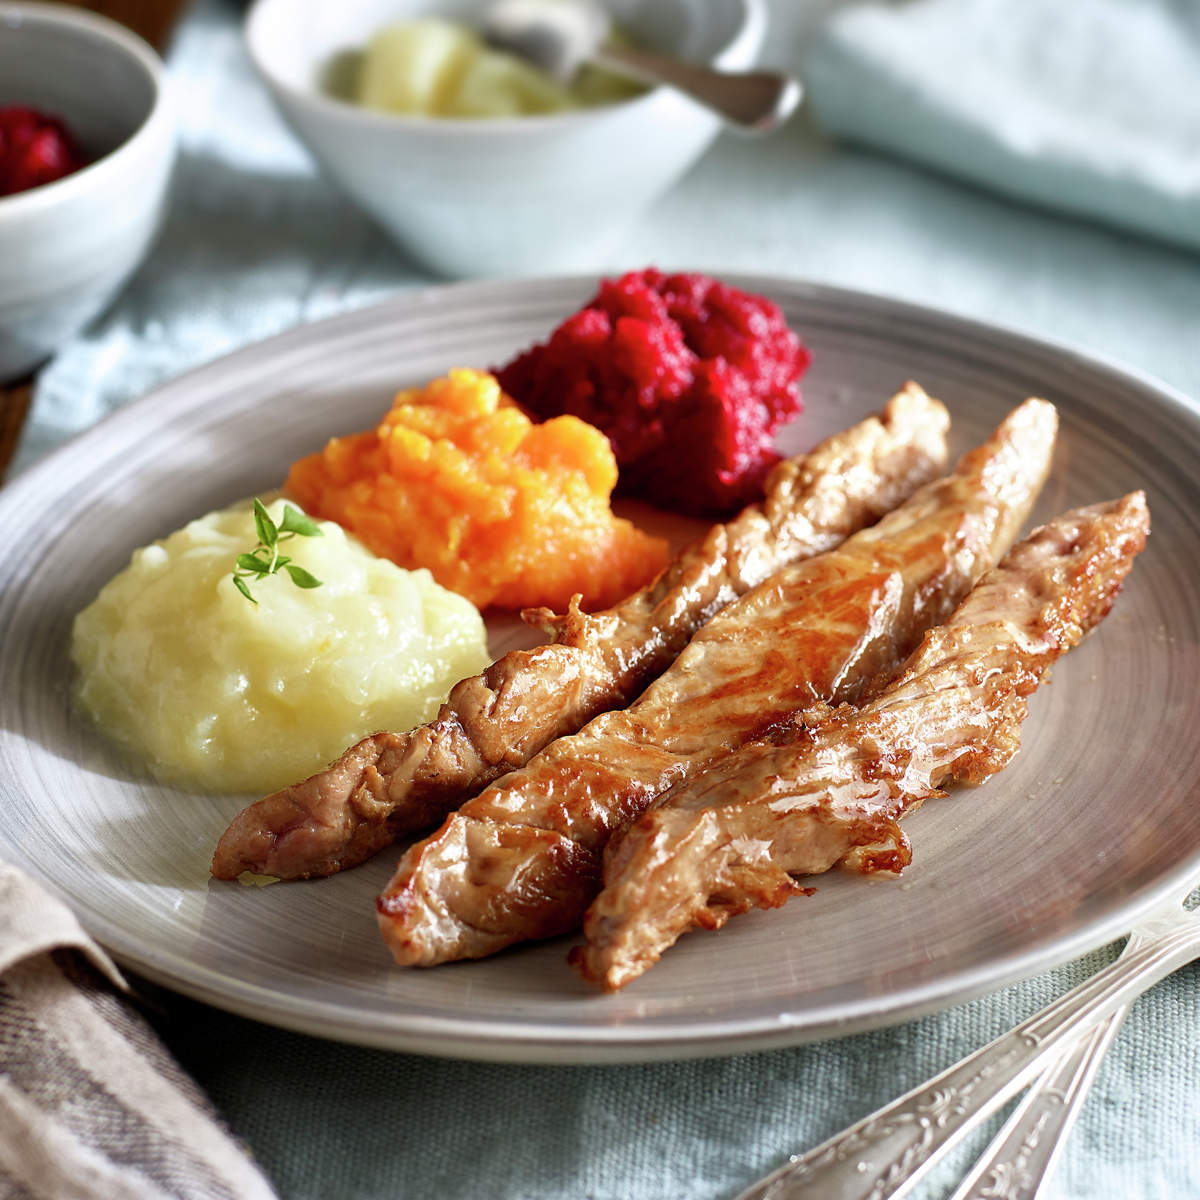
pixel 559 36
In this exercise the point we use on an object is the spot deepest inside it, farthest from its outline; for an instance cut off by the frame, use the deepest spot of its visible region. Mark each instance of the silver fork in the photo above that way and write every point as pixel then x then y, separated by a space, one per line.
pixel 888 1152
pixel 1021 1157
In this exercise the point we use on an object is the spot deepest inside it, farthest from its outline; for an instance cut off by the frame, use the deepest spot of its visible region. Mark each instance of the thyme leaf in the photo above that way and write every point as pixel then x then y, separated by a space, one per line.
pixel 265 558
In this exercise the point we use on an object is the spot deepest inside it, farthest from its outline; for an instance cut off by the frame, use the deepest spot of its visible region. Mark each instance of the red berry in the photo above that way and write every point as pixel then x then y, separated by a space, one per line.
pixel 34 149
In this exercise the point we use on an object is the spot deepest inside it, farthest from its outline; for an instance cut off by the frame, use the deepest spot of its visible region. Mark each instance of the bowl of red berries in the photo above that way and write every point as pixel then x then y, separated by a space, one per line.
pixel 86 146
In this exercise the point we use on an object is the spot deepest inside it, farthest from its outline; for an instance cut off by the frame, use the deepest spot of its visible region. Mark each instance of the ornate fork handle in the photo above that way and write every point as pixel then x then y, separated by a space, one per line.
pixel 886 1153
pixel 1022 1155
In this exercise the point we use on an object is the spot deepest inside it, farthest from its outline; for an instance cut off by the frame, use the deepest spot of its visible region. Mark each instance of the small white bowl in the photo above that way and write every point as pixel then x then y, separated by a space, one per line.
pixel 67 247
pixel 499 196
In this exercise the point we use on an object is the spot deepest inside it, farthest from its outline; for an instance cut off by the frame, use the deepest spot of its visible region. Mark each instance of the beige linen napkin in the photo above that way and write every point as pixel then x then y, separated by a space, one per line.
pixel 91 1104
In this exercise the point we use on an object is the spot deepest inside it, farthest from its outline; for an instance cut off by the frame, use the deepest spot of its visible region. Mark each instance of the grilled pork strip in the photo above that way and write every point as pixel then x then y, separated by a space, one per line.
pixel 394 783
pixel 830 787
pixel 523 859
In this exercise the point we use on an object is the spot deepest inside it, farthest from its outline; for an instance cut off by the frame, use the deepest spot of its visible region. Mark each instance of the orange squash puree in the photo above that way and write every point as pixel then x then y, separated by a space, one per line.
pixel 458 479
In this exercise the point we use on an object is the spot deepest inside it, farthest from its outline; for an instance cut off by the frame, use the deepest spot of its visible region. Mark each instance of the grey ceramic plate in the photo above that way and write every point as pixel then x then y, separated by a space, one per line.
pixel 1096 820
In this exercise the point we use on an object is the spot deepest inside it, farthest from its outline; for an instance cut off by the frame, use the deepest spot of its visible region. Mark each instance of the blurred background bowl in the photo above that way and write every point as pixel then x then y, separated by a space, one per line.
pixel 499 196
pixel 67 247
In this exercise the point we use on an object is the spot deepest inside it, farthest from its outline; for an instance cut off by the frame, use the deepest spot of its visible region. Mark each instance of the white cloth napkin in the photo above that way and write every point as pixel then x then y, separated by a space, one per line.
pixel 1091 107
pixel 91 1104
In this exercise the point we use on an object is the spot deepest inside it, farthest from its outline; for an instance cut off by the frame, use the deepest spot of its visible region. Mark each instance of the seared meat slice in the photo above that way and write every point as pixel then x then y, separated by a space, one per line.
pixel 830 787
pixel 394 783
pixel 523 859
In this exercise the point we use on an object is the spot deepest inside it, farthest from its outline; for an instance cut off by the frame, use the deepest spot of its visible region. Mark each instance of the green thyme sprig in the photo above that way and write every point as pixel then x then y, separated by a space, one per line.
pixel 265 558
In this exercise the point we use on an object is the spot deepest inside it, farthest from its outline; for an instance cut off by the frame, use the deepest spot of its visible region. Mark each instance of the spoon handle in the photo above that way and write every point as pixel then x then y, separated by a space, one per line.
pixel 751 101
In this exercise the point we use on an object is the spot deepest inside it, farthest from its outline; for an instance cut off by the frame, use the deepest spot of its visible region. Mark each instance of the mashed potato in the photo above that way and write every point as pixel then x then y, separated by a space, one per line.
pixel 220 694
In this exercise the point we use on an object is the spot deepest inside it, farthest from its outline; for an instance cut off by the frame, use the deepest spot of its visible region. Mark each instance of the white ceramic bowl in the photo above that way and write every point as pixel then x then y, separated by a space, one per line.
pixel 508 195
pixel 68 246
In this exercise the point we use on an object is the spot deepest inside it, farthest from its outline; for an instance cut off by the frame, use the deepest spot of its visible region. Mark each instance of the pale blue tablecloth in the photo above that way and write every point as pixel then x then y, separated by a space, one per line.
pixel 254 243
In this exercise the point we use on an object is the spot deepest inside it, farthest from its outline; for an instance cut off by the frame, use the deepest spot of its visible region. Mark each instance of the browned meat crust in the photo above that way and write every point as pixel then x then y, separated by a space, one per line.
pixel 522 860
pixel 830 788
pixel 394 783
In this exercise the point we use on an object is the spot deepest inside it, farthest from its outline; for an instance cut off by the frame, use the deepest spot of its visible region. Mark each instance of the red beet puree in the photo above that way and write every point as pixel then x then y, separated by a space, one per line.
pixel 689 377
pixel 34 149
